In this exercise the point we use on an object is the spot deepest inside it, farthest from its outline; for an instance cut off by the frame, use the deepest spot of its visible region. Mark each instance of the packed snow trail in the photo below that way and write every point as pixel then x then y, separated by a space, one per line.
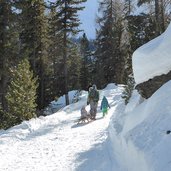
pixel 57 143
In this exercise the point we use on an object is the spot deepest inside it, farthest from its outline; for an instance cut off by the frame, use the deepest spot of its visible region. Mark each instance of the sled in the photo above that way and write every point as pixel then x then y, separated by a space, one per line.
pixel 84 119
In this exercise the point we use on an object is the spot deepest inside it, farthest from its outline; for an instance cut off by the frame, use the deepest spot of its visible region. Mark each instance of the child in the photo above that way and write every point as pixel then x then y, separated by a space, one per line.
pixel 104 105
pixel 84 116
pixel 84 113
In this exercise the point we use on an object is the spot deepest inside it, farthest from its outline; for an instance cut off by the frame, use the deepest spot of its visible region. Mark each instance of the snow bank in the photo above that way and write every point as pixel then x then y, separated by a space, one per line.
pixel 125 153
pixel 134 101
pixel 142 142
pixel 153 58
pixel 149 134
pixel 138 135
pixel 110 86
pixel 56 105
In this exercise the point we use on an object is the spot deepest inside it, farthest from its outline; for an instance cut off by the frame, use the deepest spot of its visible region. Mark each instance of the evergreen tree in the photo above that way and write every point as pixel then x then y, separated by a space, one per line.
pixel 8 46
pixel 86 76
pixel 55 53
pixel 109 43
pixel 140 30
pixel 21 95
pixel 33 37
pixel 161 13
pixel 69 21
pixel 74 65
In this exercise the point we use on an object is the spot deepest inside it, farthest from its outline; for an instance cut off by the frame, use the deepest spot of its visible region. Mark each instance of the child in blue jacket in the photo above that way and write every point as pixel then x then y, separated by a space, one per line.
pixel 104 106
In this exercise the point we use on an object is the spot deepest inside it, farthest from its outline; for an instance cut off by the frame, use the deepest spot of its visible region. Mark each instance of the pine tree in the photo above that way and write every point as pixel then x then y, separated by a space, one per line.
pixel 161 14
pixel 74 65
pixel 140 30
pixel 109 43
pixel 55 53
pixel 33 37
pixel 8 46
pixel 86 76
pixel 67 17
pixel 21 95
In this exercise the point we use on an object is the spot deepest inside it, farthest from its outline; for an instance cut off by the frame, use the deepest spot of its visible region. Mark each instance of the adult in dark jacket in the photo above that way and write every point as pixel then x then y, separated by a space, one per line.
pixel 93 98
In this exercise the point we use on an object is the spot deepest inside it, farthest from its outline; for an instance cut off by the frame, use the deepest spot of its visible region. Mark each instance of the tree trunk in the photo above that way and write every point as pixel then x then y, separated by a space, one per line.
pixel 41 84
pixel 65 58
pixel 157 17
pixel 162 16
pixel 3 56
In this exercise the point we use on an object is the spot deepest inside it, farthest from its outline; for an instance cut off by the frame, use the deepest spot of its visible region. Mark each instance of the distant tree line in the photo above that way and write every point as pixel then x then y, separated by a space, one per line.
pixel 41 58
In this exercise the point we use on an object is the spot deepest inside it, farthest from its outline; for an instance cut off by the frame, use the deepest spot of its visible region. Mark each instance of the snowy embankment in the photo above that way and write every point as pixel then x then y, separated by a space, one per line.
pixel 141 141
pixel 153 58
pixel 127 139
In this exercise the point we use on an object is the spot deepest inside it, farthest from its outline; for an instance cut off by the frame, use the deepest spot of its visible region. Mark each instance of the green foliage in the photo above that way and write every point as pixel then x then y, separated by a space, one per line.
pixel 7 120
pixel 64 23
pixel 21 93
pixel 55 53
pixel 8 45
pixel 34 42
pixel 128 89
pixel 86 62
pixel 74 65
pixel 109 58
pixel 67 15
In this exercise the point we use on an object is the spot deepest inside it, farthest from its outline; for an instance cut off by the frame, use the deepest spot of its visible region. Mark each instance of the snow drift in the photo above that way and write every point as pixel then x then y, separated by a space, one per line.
pixel 147 125
pixel 153 58
pixel 143 141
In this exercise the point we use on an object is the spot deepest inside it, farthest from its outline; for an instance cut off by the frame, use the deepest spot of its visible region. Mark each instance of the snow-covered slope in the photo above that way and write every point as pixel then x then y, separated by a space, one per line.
pixel 129 138
pixel 141 141
pixel 57 143
pixel 153 58
pixel 146 127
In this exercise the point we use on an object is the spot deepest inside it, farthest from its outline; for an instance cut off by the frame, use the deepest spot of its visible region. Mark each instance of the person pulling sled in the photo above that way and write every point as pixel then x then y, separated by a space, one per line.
pixel 93 98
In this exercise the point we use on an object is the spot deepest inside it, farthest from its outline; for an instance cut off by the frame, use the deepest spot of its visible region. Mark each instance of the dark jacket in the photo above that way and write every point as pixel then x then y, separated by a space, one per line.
pixel 93 95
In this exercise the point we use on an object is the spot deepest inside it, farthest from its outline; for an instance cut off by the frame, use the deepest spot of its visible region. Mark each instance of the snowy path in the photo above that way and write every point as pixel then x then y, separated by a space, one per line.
pixel 56 143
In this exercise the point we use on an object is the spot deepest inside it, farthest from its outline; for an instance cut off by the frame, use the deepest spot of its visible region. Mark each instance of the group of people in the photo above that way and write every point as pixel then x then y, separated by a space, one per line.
pixel 92 100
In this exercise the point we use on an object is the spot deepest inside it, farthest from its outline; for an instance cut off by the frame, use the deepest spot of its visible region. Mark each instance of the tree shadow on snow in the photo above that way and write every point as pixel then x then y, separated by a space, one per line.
pixel 95 159
pixel 77 125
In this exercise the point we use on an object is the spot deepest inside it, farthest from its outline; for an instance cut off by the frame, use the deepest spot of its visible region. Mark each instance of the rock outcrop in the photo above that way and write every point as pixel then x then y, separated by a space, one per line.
pixel 146 89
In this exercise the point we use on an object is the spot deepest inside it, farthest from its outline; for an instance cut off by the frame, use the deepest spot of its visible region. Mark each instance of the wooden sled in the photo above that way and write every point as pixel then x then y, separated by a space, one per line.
pixel 84 119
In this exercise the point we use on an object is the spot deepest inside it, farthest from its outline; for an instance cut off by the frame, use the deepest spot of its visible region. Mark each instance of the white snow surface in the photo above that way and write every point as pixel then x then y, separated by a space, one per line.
pixel 153 58
pixel 129 138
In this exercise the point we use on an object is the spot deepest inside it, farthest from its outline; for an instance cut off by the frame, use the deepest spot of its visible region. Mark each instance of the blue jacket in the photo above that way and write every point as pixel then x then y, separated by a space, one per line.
pixel 104 103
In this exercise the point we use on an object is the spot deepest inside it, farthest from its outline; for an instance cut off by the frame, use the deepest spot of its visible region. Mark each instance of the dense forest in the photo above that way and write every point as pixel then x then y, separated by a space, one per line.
pixel 42 58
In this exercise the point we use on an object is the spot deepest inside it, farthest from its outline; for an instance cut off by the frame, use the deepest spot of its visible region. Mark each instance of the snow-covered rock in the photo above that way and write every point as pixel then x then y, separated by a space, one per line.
pixel 153 58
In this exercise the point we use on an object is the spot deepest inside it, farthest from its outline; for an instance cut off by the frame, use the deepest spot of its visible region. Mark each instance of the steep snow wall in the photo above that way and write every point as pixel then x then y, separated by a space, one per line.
pixel 149 134
pixel 142 141
pixel 153 58
pixel 128 156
